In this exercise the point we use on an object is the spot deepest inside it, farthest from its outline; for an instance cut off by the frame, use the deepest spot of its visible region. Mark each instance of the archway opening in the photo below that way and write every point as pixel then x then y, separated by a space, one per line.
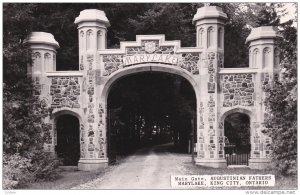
pixel 237 139
pixel 68 146
pixel 148 109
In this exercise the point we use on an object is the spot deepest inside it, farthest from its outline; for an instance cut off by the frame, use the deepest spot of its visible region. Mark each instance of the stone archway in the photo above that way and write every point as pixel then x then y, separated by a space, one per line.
pixel 237 132
pixel 66 136
pixel 249 113
pixel 146 68
pixel 68 144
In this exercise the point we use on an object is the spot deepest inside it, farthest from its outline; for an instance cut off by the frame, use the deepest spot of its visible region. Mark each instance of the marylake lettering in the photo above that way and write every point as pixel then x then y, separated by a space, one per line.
pixel 142 58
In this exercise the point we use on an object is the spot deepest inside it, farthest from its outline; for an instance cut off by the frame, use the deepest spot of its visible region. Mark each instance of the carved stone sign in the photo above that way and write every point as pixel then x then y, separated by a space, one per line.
pixel 142 58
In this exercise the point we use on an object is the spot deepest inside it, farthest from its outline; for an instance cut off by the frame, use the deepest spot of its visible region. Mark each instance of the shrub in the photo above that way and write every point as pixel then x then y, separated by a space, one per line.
pixel 281 103
pixel 24 130
pixel 45 166
pixel 16 171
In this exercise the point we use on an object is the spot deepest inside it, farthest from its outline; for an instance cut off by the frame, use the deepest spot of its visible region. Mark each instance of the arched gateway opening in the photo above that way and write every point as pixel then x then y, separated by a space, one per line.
pixel 68 147
pixel 150 108
pixel 237 139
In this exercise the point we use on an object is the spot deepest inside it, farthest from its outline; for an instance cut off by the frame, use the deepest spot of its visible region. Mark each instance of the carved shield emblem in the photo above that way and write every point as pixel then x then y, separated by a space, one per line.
pixel 150 47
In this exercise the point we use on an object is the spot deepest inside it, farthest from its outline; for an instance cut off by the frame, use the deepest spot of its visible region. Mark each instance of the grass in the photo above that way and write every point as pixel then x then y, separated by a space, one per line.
pixel 281 182
pixel 67 180
pixel 70 178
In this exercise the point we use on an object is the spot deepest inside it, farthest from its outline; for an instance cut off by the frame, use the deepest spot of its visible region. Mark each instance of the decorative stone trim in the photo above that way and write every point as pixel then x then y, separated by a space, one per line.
pixel 101 136
pixel 64 74
pixel 82 142
pixel 237 70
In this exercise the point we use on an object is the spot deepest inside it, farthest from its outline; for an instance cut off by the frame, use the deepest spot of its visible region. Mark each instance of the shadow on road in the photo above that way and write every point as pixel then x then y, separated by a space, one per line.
pixel 161 149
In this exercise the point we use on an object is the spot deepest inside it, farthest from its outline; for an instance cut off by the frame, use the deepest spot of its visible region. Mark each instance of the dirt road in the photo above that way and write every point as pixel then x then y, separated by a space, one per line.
pixel 148 168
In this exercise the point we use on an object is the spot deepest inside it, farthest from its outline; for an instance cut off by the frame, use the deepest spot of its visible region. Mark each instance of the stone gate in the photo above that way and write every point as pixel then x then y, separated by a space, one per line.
pixel 219 91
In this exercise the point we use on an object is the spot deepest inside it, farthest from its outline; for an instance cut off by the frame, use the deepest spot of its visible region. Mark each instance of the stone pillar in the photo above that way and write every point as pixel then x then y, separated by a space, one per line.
pixel 92 28
pixel 209 21
pixel 43 47
pixel 263 55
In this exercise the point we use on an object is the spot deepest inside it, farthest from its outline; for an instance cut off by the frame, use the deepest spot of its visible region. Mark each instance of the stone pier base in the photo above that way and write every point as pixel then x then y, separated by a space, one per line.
pixel 215 163
pixel 86 164
pixel 259 163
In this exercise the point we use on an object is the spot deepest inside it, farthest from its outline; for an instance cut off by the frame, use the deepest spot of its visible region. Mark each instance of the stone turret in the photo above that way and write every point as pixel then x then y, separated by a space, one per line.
pixel 209 21
pixel 263 52
pixel 92 28
pixel 43 46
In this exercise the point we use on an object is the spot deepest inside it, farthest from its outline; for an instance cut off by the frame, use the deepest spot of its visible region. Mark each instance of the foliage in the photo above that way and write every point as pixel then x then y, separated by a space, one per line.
pixel 160 19
pixel 16 54
pixel 265 14
pixel 23 139
pixel 22 123
pixel 18 171
pixel 281 103
pixel 23 112
pixel 44 165
pixel 22 117
pixel 15 171
pixel 128 20
pixel 281 126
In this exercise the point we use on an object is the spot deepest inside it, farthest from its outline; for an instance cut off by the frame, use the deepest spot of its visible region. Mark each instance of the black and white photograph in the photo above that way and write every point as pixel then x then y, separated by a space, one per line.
pixel 187 96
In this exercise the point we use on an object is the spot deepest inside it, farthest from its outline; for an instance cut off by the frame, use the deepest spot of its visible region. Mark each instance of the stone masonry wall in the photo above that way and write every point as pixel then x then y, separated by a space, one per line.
pixel 65 92
pixel 237 89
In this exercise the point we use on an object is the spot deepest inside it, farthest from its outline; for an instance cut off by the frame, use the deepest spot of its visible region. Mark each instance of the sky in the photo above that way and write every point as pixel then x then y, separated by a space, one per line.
pixel 290 8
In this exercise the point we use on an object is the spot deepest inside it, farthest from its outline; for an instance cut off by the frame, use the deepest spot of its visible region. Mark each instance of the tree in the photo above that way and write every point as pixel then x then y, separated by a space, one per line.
pixel 281 102
pixel 17 87
pixel 160 19
pixel 24 131
pixel 128 20
pixel 265 14
pixel 281 123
